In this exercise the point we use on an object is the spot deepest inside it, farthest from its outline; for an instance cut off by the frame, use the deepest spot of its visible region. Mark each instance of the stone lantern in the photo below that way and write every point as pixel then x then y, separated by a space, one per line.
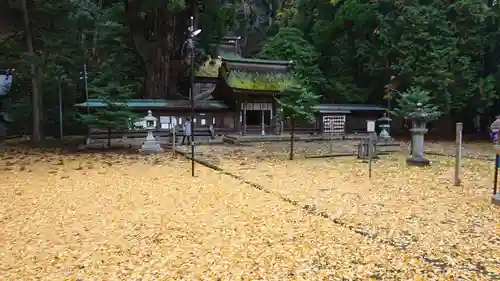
pixel 419 120
pixel 385 126
pixel 150 145
pixel 495 129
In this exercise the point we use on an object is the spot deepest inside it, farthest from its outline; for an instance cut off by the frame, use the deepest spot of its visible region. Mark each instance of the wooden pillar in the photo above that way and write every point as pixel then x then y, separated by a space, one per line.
pixel 321 124
pixel 273 124
pixel 244 119
pixel 238 118
pixel 262 113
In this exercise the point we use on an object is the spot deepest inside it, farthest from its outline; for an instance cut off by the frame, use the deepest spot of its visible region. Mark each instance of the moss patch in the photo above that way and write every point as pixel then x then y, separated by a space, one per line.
pixel 267 81
pixel 209 69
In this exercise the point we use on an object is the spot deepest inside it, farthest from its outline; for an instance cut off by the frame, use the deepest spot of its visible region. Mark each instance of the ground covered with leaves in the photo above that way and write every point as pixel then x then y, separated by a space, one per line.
pixel 415 210
pixel 129 217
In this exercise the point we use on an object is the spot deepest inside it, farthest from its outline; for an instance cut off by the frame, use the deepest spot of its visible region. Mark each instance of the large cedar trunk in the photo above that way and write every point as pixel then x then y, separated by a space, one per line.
pixel 36 99
pixel 159 35
pixel 156 81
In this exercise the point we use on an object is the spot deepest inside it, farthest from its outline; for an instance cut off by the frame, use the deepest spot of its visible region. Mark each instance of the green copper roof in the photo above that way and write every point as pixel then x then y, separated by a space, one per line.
pixel 156 104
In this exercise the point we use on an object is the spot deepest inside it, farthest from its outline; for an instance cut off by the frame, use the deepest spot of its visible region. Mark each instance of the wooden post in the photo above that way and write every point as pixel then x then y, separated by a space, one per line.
pixel 495 180
pixel 174 129
pixel 61 135
pixel 370 155
pixel 458 151
pixel 263 132
pixel 244 118
pixel 292 137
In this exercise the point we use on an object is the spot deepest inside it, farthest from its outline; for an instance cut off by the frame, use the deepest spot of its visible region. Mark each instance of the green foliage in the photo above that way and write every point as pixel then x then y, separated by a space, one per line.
pixel 116 114
pixel 113 82
pixel 346 51
pixel 67 34
pixel 448 49
pixel 290 45
pixel 298 102
pixel 414 99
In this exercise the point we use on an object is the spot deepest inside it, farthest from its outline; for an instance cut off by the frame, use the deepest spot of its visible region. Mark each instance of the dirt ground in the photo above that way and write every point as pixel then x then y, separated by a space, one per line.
pixel 130 217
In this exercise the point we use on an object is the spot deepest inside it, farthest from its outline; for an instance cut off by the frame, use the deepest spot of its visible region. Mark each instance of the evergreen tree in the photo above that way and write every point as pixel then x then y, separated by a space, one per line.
pixel 290 45
pixel 297 103
pixel 414 99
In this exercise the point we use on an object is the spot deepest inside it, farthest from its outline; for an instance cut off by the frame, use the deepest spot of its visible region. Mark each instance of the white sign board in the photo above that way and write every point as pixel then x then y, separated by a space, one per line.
pixel 370 126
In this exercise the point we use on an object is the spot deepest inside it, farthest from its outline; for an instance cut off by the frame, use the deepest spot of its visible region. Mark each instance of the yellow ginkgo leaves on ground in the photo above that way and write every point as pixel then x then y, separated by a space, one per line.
pixel 130 217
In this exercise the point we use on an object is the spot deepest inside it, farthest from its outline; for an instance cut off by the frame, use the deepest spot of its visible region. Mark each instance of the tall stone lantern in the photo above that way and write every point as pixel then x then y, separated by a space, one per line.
pixel 495 129
pixel 419 120
pixel 385 126
pixel 150 145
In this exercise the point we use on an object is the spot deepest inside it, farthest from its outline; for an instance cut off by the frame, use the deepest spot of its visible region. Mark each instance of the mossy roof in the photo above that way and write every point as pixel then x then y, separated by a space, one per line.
pixel 210 67
pixel 246 73
pixel 258 81
pixel 257 75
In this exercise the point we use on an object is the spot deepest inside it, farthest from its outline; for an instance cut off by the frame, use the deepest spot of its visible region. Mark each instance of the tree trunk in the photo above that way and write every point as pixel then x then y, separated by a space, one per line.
pixel 109 137
pixel 36 98
pixel 156 82
pixel 158 35
pixel 292 137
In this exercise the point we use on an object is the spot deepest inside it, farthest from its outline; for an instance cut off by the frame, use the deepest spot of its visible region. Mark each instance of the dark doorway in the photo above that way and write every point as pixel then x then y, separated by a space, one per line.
pixel 254 117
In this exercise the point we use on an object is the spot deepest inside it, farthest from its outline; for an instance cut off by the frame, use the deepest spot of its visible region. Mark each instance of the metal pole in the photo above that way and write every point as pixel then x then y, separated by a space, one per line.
pixel 60 111
pixel 191 93
pixel 85 76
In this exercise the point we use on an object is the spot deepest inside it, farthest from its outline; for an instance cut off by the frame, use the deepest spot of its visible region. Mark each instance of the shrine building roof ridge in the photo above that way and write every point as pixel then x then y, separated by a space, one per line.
pixel 154 104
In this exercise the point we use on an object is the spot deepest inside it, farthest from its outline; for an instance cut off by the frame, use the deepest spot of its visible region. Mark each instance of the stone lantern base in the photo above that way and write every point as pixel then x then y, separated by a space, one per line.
pixel 150 145
pixel 495 199
pixel 418 161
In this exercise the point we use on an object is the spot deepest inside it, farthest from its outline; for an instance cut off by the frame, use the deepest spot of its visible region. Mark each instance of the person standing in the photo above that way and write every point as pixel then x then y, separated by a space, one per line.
pixel 187 131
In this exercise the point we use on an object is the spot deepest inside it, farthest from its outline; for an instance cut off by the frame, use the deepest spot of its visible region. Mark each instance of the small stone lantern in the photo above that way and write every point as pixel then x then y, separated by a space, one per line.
pixel 419 120
pixel 150 145
pixel 385 126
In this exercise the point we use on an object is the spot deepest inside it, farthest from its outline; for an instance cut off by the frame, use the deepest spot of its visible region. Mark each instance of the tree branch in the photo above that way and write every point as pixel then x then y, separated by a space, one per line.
pixel 10 37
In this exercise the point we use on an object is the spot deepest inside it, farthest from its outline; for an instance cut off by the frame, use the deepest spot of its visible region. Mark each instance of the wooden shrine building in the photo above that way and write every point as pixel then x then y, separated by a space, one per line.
pixel 238 96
